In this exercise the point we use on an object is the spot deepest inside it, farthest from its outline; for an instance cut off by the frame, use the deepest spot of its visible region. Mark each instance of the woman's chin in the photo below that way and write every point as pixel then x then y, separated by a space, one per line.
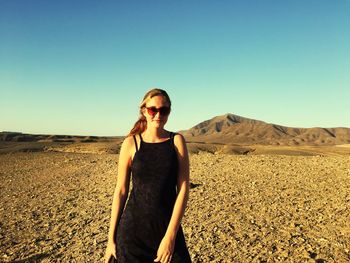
pixel 158 124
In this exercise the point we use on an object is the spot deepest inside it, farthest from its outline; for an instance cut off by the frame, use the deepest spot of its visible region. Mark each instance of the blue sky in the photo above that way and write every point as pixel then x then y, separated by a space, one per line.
pixel 82 67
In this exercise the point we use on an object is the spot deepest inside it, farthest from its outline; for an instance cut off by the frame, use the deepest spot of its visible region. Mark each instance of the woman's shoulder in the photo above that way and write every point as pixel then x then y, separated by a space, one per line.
pixel 128 141
pixel 175 134
pixel 178 138
pixel 128 146
pixel 128 138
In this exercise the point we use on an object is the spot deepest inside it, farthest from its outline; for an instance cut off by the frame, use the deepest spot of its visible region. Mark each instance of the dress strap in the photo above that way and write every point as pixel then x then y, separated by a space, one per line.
pixel 172 135
pixel 135 142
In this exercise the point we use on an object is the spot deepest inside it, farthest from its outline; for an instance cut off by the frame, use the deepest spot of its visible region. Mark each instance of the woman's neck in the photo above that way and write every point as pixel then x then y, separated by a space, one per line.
pixel 154 135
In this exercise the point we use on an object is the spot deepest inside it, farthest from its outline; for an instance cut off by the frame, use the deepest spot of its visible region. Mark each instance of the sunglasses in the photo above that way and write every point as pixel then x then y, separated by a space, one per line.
pixel 164 111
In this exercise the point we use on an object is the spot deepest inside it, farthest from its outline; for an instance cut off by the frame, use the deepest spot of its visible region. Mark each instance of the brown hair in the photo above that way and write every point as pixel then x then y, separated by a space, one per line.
pixel 141 124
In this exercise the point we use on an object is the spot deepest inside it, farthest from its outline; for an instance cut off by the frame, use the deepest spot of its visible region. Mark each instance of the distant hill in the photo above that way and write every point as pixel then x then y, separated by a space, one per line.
pixel 234 129
pixel 11 142
pixel 23 137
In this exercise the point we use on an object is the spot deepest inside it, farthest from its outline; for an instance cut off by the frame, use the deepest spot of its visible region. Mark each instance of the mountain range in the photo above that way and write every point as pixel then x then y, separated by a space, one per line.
pixel 234 129
pixel 228 129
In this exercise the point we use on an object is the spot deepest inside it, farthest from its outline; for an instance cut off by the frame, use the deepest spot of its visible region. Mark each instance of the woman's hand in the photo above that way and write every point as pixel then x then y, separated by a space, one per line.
pixel 111 251
pixel 165 250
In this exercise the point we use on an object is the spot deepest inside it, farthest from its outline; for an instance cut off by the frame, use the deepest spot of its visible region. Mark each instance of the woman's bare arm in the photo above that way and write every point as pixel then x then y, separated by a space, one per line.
pixel 183 182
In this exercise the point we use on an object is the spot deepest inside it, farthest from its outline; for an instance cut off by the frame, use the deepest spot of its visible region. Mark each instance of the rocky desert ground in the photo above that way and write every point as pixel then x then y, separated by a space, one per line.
pixel 254 206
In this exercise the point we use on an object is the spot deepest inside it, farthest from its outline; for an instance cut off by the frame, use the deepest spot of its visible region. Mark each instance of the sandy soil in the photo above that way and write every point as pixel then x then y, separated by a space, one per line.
pixel 242 208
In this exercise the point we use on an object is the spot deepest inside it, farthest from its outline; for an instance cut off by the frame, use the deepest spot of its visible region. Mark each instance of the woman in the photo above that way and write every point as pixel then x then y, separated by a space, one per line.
pixel 149 228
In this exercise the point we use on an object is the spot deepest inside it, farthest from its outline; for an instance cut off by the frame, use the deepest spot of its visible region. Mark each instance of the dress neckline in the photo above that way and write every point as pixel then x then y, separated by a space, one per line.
pixel 142 141
pixel 156 142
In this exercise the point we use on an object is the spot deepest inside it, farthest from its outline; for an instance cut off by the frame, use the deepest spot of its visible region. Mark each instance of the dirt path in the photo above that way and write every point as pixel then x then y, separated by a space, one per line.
pixel 56 207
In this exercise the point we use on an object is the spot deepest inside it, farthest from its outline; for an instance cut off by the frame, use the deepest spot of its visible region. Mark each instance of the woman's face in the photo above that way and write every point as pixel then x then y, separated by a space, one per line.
pixel 156 112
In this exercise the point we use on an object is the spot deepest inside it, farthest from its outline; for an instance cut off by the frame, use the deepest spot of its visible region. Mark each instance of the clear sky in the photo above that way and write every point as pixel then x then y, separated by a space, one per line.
pixel 82 67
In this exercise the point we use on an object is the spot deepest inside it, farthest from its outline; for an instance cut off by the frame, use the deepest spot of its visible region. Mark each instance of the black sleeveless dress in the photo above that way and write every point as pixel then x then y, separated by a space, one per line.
pixel 148 211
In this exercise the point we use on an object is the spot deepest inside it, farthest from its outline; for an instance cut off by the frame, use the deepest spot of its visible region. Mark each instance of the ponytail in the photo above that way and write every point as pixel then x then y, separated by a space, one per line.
pixel 139 126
